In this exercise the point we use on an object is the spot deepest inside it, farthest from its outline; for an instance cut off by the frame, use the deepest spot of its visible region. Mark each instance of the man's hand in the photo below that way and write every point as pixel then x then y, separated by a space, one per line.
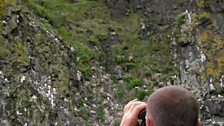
pixel 131 111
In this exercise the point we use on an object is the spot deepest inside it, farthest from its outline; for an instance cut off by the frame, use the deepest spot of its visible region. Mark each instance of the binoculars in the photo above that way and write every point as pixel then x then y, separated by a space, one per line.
pixel 141 117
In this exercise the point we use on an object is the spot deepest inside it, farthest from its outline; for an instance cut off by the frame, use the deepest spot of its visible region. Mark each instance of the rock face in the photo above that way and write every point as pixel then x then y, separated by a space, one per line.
pixel 197 43
pixel 40 82
pixel 80 67
pixel 34 64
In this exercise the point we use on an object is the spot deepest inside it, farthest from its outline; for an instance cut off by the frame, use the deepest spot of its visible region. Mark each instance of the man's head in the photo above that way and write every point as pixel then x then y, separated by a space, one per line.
pixel 172 106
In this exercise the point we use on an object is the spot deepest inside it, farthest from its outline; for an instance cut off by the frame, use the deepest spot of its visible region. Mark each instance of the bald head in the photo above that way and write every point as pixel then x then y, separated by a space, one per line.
pixel 173 106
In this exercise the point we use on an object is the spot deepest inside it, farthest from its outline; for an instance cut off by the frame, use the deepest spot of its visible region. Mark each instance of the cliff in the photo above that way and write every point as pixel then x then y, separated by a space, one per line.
pixel 77 62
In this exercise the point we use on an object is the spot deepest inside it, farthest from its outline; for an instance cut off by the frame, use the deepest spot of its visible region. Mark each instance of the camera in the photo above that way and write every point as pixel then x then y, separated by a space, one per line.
pixel 141 117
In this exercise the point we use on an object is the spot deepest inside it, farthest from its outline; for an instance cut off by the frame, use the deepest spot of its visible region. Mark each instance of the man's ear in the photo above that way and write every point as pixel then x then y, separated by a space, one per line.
pixel 198 123
pixel 148 121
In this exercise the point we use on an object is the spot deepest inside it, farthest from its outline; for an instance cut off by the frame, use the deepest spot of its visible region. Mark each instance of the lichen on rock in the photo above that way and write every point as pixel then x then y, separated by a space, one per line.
pixel 77 62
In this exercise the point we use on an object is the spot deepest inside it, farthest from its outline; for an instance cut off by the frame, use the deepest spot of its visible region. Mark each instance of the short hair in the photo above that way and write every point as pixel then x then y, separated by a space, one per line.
pixel 173 106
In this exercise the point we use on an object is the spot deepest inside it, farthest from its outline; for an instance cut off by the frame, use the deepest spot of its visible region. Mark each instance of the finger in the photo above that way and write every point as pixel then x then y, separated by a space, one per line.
pixel 134 100
pixel 135 104
pixel 127 107
pixel 132 104
pixel 138 108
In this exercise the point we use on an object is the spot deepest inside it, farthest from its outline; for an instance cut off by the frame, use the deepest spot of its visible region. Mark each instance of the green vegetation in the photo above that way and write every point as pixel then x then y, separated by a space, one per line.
pixel 141 93
pixel 64 33
pixel 100 113
pixel 180 19
pixel 90 94
pixel 85 113
pixel 84 24
pixel 37 51
pixel 84 55
pixel 132 81
pixel 49 11
pixel 86 20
